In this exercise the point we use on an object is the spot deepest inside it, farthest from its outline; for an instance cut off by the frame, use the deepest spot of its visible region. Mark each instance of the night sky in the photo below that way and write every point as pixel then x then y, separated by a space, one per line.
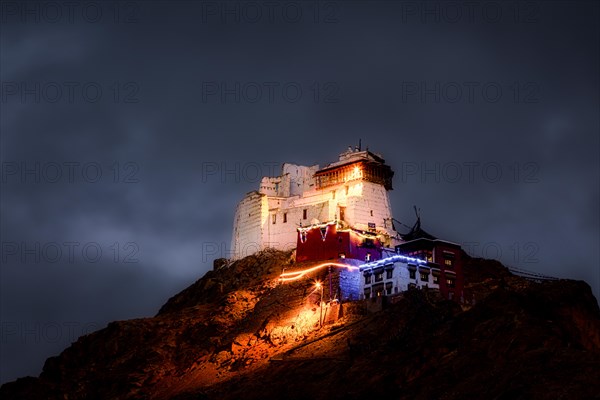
pixel 129 132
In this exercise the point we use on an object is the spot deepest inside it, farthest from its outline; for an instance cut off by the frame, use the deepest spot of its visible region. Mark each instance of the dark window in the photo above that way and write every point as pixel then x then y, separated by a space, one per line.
pixel 367 279
pixel 371 213
pixel 379 277
pixel 304 214
pixel 302 236
pixel 412 274
pixel 388 274
pixel 389 290
pixel 274 218
pixel 284 218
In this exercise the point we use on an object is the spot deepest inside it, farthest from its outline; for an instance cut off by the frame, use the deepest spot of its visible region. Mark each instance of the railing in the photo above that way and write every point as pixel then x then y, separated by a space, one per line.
pixel 531 275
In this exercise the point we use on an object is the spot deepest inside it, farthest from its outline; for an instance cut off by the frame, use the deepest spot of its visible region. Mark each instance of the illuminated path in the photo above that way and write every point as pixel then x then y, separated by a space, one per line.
pixel 296 275
pixel 293 276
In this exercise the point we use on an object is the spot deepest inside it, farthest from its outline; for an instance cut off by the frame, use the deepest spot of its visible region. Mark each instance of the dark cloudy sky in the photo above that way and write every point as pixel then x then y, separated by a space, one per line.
pixel 130 130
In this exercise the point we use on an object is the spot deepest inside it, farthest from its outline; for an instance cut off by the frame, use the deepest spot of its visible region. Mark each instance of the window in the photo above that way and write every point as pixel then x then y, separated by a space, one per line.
pixel 303 237
pixel 388 288
pixel 371 213
pixel 367 279
pixel 284 218
pixel 450 282
pixel 448 262
pixel 274 219
pixel 436 280
pixel 368 257
pixel 347 188
pixel 388 274
pixel 424 277
pixel 304 212
pixel 412 274
pixel 379 277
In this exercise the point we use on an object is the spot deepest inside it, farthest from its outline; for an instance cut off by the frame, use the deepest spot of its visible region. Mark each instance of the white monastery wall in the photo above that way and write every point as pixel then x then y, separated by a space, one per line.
pixel 398 282
pixel 249 221
pixel 269 217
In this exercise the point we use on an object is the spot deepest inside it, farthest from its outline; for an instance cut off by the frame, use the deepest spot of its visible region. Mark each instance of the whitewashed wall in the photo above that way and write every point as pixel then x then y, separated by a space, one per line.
pixel 400 280
pixel 259 220
pixel 248 226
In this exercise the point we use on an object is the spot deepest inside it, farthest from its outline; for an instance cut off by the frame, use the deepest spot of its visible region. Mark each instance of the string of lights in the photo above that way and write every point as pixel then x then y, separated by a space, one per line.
pixel 392 259
pixel 362 234
pixel 296 275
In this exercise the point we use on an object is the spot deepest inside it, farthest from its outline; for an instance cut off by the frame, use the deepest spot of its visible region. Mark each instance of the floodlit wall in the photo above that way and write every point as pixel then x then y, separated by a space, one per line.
pixel 271 216
pixel 401 279
pixel 248 227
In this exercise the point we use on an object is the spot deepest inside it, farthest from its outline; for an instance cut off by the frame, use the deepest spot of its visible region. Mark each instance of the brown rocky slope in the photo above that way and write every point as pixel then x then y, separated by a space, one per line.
pixel 238 333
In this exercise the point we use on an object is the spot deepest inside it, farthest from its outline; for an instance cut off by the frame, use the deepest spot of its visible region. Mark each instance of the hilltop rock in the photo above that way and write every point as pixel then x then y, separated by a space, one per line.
pixel 238 333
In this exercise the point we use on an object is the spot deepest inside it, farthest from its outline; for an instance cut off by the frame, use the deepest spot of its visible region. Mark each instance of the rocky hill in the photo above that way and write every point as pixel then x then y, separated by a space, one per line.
pixel 239 334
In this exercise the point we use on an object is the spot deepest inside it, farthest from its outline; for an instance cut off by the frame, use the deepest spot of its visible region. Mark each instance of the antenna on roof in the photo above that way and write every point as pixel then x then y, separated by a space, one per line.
pixel 359 144
pixel 418 214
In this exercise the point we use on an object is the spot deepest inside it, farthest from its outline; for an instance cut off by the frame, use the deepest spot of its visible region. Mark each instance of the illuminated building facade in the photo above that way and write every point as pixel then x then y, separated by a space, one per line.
pixel 341 210
pixel 443 270
pixel 421 261
pixel 331 240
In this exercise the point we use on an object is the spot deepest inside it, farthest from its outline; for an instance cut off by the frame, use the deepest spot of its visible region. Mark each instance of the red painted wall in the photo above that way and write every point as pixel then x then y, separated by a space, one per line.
pixel 458 290
pixel 317 247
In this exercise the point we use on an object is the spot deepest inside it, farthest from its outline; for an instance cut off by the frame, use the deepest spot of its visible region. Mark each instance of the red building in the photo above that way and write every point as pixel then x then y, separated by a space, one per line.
pixel 330 241
pixel 443 258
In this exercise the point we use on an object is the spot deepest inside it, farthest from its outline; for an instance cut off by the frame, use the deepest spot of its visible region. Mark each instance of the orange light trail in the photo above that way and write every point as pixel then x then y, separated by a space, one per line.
pixel 295 275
